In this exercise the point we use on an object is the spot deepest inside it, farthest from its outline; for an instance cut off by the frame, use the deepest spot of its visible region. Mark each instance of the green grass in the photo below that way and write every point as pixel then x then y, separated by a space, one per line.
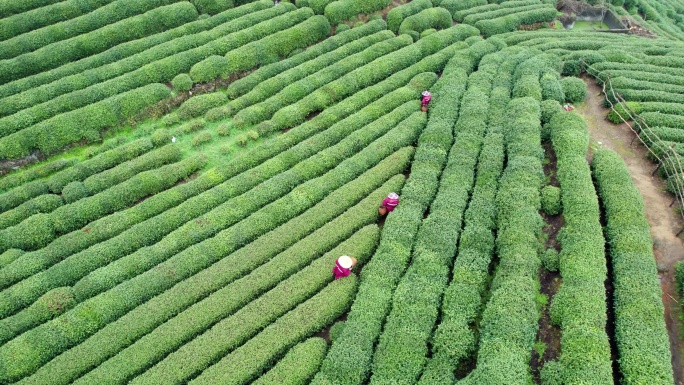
pixel 218 151
pixel 589 26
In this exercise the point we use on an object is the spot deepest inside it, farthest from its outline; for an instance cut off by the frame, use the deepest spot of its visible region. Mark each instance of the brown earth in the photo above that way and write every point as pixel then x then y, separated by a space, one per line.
pixel 548 334
pixel 664 220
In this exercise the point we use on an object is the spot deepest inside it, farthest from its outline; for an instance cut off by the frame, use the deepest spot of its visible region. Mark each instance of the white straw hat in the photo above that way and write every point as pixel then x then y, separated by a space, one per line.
pixel 425 93
pixel 393 195
pixel 345 261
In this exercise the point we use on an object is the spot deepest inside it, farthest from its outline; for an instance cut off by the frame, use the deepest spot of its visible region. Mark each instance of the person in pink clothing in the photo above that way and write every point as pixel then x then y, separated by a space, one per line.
pixel 343 267
pixel 427 96
pixel 391 201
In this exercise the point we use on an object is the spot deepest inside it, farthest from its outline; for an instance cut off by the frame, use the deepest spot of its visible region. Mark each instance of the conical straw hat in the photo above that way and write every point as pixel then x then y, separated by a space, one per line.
pixel 345 261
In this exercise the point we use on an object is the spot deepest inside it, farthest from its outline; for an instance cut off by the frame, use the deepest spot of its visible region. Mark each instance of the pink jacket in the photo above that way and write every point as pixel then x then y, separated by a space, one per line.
pixel 339 271
pixel 391 204
pixel 426 99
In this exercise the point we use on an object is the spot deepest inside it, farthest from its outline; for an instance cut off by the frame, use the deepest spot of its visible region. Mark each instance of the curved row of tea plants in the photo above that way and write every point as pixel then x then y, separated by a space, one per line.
pixel 143 286
pixel 77 266
pixel 453 340
pixel 640 332
pixel 100 17
pixel 158 71
pixel 509 321
pixel 579 306
pixel 78 47
pixel 28 94
pixel 299 74
pixel 199 29
pixel 353 349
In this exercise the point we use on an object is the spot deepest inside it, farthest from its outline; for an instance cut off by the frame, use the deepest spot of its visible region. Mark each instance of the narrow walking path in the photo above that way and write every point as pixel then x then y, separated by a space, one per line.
pixel 664 220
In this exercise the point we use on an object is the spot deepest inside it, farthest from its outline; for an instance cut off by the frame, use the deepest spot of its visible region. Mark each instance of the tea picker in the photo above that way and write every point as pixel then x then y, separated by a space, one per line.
pixel 343 266
pixel 427 96
pixel 389 204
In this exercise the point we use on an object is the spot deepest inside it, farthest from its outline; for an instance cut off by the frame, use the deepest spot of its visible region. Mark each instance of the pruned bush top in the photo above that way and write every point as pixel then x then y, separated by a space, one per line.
pixel 574 88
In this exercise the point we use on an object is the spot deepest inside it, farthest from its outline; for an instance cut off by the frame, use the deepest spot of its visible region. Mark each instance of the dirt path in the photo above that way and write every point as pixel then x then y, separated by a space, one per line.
pixel 665 223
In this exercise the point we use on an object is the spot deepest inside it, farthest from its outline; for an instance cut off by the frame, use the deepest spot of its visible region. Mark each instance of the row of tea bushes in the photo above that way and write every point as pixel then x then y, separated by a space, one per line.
pixel 579 306
pixel 437 18
pixel 640 331
pixel 282 244
pixel 78 47
pixel 397 15
pixel 9 7
pixel 125 57
pixel 298 90
pixel 265 73
pixel 161 70
pixel 341 10
pixel 51 14
pixel 333 205
pixel 353 349
pixel 100 17
pixel 306 357
pixel 83 124
pixel 41 171
pixel 276 84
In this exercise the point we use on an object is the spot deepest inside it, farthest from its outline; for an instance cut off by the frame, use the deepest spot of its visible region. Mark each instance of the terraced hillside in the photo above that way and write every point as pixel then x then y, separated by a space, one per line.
pixel 179 178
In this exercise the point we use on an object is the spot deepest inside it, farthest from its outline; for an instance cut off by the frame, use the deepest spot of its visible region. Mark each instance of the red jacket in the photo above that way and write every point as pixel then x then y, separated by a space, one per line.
pixel 391 204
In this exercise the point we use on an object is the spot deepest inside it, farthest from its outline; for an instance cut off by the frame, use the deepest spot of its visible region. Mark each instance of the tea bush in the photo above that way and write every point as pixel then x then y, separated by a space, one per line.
pixel 298 366
pixel 201 138
pixel 102 14
pixel 41 204
pixel 263 73
pixel 579 307
pixel 551 200
pixel 574 89
pixel 213 7
pixel 641 334
pixel 182 83
pixel 198 105
pixel 438 18
pixel 397 15
pixel 77 47
pixel 341 10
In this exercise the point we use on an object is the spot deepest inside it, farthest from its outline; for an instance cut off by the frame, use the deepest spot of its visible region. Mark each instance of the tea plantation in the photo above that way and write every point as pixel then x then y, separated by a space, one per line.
pixel 178 178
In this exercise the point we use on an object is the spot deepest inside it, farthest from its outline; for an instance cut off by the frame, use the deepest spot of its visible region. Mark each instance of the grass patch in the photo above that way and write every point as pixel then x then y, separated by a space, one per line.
pixel 589 26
